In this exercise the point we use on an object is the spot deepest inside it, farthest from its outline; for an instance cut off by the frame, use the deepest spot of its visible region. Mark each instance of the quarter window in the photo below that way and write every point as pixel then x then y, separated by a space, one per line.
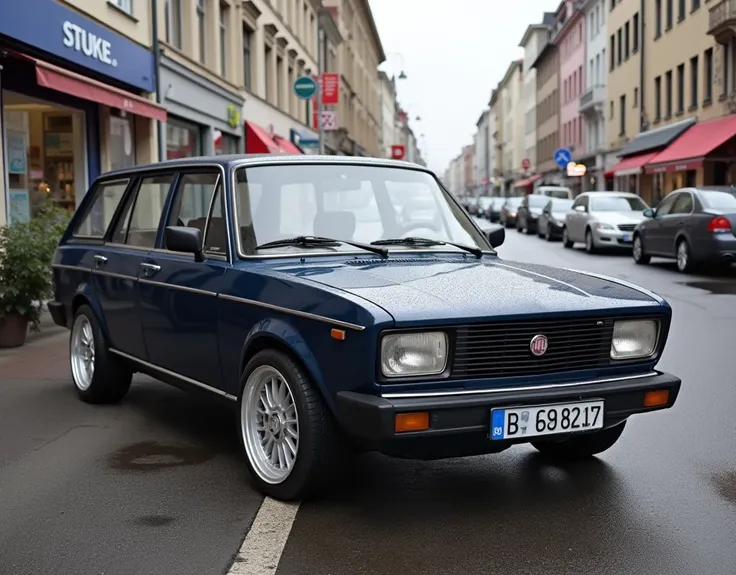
pixel 100 213
pixel 139 225
pixel 191 208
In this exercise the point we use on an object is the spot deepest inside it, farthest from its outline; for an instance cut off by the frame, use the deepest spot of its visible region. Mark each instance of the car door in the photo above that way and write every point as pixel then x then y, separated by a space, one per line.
pixel 576 220
pixel 544 218
pixel 522 214
pixel 655 241
pixel 178 294
pixel 675 222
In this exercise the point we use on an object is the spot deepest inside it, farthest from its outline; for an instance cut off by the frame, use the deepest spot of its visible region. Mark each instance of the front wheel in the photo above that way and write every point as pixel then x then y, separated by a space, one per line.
pixel 582 446
pixel 566 238
pixel 685 263
pixel 637 251
pixel 589 242
pixel 291 443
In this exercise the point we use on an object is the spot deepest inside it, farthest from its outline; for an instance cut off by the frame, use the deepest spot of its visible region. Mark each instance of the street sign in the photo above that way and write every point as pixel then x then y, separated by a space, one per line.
pixel 398 152
pixel 562 157
pixel 525 163
pixel 305 87
pixel 330 89
pixel 329 120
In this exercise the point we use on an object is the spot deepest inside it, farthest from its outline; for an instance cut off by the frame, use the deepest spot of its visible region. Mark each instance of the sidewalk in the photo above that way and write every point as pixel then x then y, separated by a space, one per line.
pixel 45 355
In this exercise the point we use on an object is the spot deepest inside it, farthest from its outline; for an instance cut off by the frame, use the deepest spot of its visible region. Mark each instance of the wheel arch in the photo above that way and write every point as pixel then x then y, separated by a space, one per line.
pixel 84 295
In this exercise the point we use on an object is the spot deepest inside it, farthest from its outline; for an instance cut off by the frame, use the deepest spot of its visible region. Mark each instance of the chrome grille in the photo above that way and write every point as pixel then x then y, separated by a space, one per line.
pixel 626 227
pixel 503 349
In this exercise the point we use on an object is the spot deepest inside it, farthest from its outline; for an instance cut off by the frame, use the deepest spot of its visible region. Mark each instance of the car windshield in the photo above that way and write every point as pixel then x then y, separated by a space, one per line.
pixel 720 200
pixel 538 201
pixel 513 202
pixel 561 205
pixel 485 202
pixel 617 204
pixel 344 202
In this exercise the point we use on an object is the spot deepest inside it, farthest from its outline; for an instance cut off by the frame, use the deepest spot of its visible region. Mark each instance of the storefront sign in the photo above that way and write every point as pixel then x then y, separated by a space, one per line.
pixel 61 32
pixel 233 116
pixel 330 89
pixel 681 167
pixel 576 170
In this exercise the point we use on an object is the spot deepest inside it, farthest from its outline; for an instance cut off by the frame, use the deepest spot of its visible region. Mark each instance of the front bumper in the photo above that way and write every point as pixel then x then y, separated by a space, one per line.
pixel 614 238
pixel 372 418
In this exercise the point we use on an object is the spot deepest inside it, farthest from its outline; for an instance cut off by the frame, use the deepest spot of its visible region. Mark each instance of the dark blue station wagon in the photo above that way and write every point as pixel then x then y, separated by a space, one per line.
pixel 337 315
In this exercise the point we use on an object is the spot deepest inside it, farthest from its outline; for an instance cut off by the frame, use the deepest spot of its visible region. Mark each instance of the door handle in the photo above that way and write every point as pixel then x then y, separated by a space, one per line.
pixel 681 223
pixel 150 268
pixel 99 260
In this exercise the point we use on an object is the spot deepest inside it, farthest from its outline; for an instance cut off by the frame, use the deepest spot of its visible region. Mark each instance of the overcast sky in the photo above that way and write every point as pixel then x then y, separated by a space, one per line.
pixel 453 54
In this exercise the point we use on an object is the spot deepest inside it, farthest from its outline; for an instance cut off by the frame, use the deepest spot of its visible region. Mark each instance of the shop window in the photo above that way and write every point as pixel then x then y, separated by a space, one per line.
pixel 121 140
pixel 183 140
pixel 139 225
pixel 44 147
pixel 225 143
pixel 99 215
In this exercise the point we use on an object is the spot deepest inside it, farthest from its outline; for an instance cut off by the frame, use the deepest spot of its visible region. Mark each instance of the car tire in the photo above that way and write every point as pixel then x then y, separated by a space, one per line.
pixel 528 230
pixel 685 263
pixel 566 238
pixel 99 377
pixel 300 416
pixel 589 243
pixel 638 253
pixel 548 234
pixel 582 446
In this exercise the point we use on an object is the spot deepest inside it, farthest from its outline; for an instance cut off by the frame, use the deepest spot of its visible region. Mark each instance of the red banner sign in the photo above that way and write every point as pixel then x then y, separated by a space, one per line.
pixel 330 89
pixel 398 152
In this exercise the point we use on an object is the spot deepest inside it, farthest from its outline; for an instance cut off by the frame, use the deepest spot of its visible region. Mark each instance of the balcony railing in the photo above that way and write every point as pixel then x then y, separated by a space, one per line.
pixel 722 20
pixel 592 98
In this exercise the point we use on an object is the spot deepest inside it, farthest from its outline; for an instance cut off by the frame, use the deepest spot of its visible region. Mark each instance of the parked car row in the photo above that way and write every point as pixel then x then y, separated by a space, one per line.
pixel 694 226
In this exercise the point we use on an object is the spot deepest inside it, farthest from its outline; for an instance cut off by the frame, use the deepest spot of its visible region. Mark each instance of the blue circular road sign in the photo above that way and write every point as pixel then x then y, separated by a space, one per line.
pixel 562 157
pixel 305 87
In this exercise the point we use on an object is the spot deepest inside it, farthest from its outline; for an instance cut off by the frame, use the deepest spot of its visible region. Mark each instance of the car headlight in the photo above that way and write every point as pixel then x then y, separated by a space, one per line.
pixel 603 227
pixel 412 354
pixel 634 338
pixel 512 214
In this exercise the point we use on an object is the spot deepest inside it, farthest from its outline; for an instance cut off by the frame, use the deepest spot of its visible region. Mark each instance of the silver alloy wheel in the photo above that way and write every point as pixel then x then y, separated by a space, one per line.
pixel 589 241
pixel 565 235
pixel 682 256
pixel 270 424
pixel 637 248
pixel 82 352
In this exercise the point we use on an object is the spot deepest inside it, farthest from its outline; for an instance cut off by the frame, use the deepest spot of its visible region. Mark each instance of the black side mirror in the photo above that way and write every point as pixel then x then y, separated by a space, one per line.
pixel 648 213
pixel 496 237
pixel 184 239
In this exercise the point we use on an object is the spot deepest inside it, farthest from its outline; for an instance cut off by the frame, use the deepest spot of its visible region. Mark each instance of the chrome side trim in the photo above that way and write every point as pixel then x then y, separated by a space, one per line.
pixel 68 267
pixel 114 275
pixel 289 311
pixel 183 378
pixel 547 386
pixel 177 287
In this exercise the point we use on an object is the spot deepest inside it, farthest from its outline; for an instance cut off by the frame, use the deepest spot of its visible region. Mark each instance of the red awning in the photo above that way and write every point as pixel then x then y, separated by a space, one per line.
pixel 689 150
pixel 257 141
pixel 61 80
pixel 528 181
pixel 632 165
pixel 608 174
pixel 286 146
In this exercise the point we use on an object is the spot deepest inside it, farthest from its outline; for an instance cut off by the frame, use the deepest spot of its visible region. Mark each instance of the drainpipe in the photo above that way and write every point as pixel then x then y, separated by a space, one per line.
pixel 157 69
pixel 643 124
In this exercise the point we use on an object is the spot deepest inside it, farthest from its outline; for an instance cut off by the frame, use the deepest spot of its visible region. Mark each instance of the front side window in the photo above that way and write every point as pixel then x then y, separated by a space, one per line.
pixel 617 204
pixel 344 202
pixel 99 215
pixel 139 224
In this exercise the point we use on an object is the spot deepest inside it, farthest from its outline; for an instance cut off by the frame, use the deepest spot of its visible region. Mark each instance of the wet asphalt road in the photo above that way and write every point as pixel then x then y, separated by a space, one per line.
pixel 156 485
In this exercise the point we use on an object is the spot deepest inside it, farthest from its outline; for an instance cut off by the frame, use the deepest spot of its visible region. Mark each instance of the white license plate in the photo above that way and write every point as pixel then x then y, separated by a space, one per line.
pixel 627 237
pixel 536 420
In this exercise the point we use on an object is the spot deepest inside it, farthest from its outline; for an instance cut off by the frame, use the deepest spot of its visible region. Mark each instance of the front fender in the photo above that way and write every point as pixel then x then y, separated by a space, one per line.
pixel 287 335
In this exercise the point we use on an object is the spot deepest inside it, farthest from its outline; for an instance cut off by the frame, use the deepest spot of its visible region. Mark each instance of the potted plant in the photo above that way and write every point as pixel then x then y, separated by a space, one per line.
pixel 26 251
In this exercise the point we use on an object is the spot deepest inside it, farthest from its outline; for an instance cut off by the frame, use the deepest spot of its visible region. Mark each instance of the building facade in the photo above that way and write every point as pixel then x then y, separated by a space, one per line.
pixel 77 81
pixel 513 123
pixel 388 114
pixel 482 154
pixel 468 168
pixel 594 97
pixel 548 118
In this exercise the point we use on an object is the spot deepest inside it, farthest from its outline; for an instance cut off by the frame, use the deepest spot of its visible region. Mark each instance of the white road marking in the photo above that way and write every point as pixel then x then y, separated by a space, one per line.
pixel 262 548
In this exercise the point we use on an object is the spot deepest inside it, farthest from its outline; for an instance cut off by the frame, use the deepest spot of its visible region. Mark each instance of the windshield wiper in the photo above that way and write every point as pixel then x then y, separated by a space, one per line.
pixel 319 241
pixel 412 241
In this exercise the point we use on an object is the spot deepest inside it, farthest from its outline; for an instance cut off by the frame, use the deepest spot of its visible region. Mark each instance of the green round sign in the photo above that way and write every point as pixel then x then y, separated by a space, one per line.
pixel 305 87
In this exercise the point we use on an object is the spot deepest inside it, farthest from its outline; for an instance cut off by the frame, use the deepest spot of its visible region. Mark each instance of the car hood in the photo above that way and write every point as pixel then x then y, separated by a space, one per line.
pixel 559 216
pixel 452 289
pixel 535 211
pixel 615 218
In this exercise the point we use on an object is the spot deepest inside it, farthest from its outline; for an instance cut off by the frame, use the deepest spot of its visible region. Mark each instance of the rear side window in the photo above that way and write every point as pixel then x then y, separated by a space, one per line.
pixel 107 198
pixel 139 224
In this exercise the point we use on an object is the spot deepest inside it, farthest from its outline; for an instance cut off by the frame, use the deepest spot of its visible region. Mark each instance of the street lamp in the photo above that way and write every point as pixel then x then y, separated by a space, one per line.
pixel 402 74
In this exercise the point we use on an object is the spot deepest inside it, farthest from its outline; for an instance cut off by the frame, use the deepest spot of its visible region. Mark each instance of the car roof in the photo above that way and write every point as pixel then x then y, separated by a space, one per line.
pixel 609 194
pixel 239 160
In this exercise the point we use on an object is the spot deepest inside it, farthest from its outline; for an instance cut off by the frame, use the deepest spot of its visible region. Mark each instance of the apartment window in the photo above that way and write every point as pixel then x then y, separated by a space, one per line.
pixel 694 82
pixel 613 4
pixel 658 98
pixel 680 10
pixel 201 30
pixel 696 5
pixel 668 94
pixel 580 80
pixel 224 15
pixel 172 22
pixel 124 5
pixel 708 76
pixel 635 32
pixel 279 75
pixel 619 52
pixel 247 55
pixel 267 63
pixel 627 40
pixel 635 103
pixel 669 14
pixel 657 18
pixel 726 75
pixel 612 52
pixel 622 115
pixel 610 111
pixel 681 88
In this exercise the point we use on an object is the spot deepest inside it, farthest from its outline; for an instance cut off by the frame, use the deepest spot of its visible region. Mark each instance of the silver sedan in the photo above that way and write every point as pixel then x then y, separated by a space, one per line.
pixel 603 220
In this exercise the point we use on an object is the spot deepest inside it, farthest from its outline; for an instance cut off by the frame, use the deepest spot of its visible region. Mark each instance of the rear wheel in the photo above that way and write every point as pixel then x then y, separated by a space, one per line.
pixel 637 250
pixel 99 376
pixel 566 238
pixel 582 446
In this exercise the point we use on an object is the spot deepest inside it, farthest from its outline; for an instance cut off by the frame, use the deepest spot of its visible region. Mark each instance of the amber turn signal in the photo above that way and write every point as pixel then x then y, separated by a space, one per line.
pixel 657 398
pixel 338 334
pixel 412 421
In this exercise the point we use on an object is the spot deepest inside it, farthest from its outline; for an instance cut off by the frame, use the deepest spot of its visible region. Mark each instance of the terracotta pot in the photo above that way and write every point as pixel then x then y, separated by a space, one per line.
pixel 13 331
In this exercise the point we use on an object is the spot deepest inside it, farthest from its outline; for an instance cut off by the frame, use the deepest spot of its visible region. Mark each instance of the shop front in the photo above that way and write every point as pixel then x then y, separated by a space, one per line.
pixel 271 131
pixel 703 156
pixel 70 96
pixel 203 117
pixel 526 186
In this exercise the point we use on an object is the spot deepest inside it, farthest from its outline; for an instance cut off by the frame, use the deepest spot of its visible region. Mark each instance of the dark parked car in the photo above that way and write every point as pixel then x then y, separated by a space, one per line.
pixel 528 213
pixel 507 217
pixel 473 206
pixel 484 204
pixel 552 221
pixel 493 213
pixel 696 226
pixel 264 281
